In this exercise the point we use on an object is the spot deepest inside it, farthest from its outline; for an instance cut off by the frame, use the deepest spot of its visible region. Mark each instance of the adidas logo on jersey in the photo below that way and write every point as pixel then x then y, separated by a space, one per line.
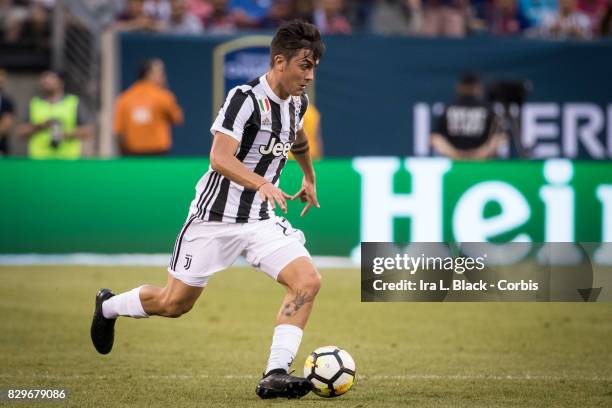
pixel 276 149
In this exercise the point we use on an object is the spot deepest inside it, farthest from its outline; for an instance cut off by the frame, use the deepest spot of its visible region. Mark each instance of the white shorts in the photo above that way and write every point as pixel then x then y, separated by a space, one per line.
pixel 203 248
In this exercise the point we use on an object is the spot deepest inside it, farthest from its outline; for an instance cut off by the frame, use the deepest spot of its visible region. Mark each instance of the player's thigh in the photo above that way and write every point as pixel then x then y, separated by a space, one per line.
pixel 178 293
pixel 203 249
pixel 275 247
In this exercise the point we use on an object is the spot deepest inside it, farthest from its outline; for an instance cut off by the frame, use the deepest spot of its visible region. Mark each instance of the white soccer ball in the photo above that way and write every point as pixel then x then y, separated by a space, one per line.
pixel 331 370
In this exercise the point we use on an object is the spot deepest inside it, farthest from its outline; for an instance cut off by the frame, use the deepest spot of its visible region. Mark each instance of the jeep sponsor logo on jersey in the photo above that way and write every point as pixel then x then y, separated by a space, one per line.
pixel 276 148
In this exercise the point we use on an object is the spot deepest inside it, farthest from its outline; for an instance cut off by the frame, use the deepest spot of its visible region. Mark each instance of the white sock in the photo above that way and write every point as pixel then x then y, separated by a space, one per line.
pixel 124 304
pixel 285 344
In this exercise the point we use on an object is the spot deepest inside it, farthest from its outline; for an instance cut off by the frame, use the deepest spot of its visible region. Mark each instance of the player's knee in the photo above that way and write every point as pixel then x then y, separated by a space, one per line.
pixel 310 282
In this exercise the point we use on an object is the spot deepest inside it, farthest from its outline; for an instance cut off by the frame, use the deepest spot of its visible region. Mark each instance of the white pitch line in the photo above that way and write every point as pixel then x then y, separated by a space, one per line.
pixel 408 377
pixel 137 260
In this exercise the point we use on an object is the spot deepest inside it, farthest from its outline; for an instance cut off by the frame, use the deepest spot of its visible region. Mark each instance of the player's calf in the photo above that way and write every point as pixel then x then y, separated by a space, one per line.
pixel 174 307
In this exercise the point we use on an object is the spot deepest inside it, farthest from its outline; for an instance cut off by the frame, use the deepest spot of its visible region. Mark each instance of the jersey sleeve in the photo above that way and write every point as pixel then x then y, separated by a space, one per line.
pixel 304 105
pixel 234 114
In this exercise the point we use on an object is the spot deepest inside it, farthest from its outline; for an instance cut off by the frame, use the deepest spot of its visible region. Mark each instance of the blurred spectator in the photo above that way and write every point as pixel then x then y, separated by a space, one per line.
pixel 446 18
pixel 181 20
pixel 202 9
pixel 535 10
pixel 568 22
pixel 595 11
pixel 329 17
pixel 467 129
pixel 359 13
pixel 145 112
pixel 605 28
pixel 281 10
pixel 249 13
pixel 304 10
pixel 403 17
pixel 158 10
pixel 505 19
pixel 7 115
pixel 56 122
pixel 36 28
pixel 135 18
pixel 25 23
pixel 11 18
pixel 220 21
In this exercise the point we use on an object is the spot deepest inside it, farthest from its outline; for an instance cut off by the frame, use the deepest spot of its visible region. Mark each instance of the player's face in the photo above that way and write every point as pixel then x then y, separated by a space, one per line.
pixel 299 72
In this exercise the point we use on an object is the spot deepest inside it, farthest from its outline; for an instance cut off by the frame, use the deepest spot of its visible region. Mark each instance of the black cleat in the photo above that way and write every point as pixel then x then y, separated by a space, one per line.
pixel 102 329
pixel 277 383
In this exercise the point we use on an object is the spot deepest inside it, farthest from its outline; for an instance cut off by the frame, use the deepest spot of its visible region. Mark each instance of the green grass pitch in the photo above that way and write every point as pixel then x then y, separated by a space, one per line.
pixel 407 354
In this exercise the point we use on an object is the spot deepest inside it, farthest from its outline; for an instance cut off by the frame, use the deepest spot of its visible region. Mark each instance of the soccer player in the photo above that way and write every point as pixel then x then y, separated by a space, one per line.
pixel 233 210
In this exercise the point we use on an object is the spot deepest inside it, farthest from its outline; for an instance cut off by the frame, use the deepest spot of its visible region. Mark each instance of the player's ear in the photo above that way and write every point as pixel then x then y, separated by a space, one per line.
pixel 280 62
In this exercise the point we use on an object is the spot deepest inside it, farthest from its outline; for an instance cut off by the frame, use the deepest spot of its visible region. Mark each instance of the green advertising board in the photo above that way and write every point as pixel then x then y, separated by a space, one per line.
pixel 139 205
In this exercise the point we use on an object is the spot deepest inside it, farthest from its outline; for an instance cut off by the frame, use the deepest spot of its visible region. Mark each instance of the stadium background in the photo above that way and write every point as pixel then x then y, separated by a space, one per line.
pixel 376 95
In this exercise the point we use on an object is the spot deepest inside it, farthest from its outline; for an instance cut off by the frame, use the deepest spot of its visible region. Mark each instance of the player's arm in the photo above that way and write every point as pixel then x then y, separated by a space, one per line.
pixel 308 192
pixel 224 161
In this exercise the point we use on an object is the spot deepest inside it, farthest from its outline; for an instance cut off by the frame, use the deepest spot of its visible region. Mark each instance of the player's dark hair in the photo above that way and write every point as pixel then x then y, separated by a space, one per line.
pixel 294 35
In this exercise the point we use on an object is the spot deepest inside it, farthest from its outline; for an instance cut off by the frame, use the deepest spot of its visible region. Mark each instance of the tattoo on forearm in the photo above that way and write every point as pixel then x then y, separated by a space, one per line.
pixel 301 298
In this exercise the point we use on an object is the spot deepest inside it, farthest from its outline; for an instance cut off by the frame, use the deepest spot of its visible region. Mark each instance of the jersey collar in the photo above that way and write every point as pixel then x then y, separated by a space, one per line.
pixel 269 92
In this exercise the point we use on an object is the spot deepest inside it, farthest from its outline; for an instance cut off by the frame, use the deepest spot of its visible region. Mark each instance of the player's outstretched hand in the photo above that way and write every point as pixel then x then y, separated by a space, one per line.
pixel 274 195
pixel 308 195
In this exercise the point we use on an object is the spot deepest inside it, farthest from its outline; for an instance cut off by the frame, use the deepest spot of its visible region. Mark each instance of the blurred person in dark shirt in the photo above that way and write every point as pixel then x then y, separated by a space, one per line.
pixel 135 18
pixel 220 20
pixel 12 16
pixel 467 129
pixel 36 28
pixel 7 115
pixel 605 28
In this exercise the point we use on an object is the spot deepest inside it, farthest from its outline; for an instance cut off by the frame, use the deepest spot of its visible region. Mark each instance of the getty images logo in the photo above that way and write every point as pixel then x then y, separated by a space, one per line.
pixel 276 149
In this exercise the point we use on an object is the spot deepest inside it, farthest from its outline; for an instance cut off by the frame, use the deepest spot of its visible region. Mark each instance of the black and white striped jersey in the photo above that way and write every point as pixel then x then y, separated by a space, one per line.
pixel 266 127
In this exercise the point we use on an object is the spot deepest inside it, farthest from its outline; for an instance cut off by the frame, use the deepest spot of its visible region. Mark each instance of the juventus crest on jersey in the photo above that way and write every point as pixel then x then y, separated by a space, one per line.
pixel 266 127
